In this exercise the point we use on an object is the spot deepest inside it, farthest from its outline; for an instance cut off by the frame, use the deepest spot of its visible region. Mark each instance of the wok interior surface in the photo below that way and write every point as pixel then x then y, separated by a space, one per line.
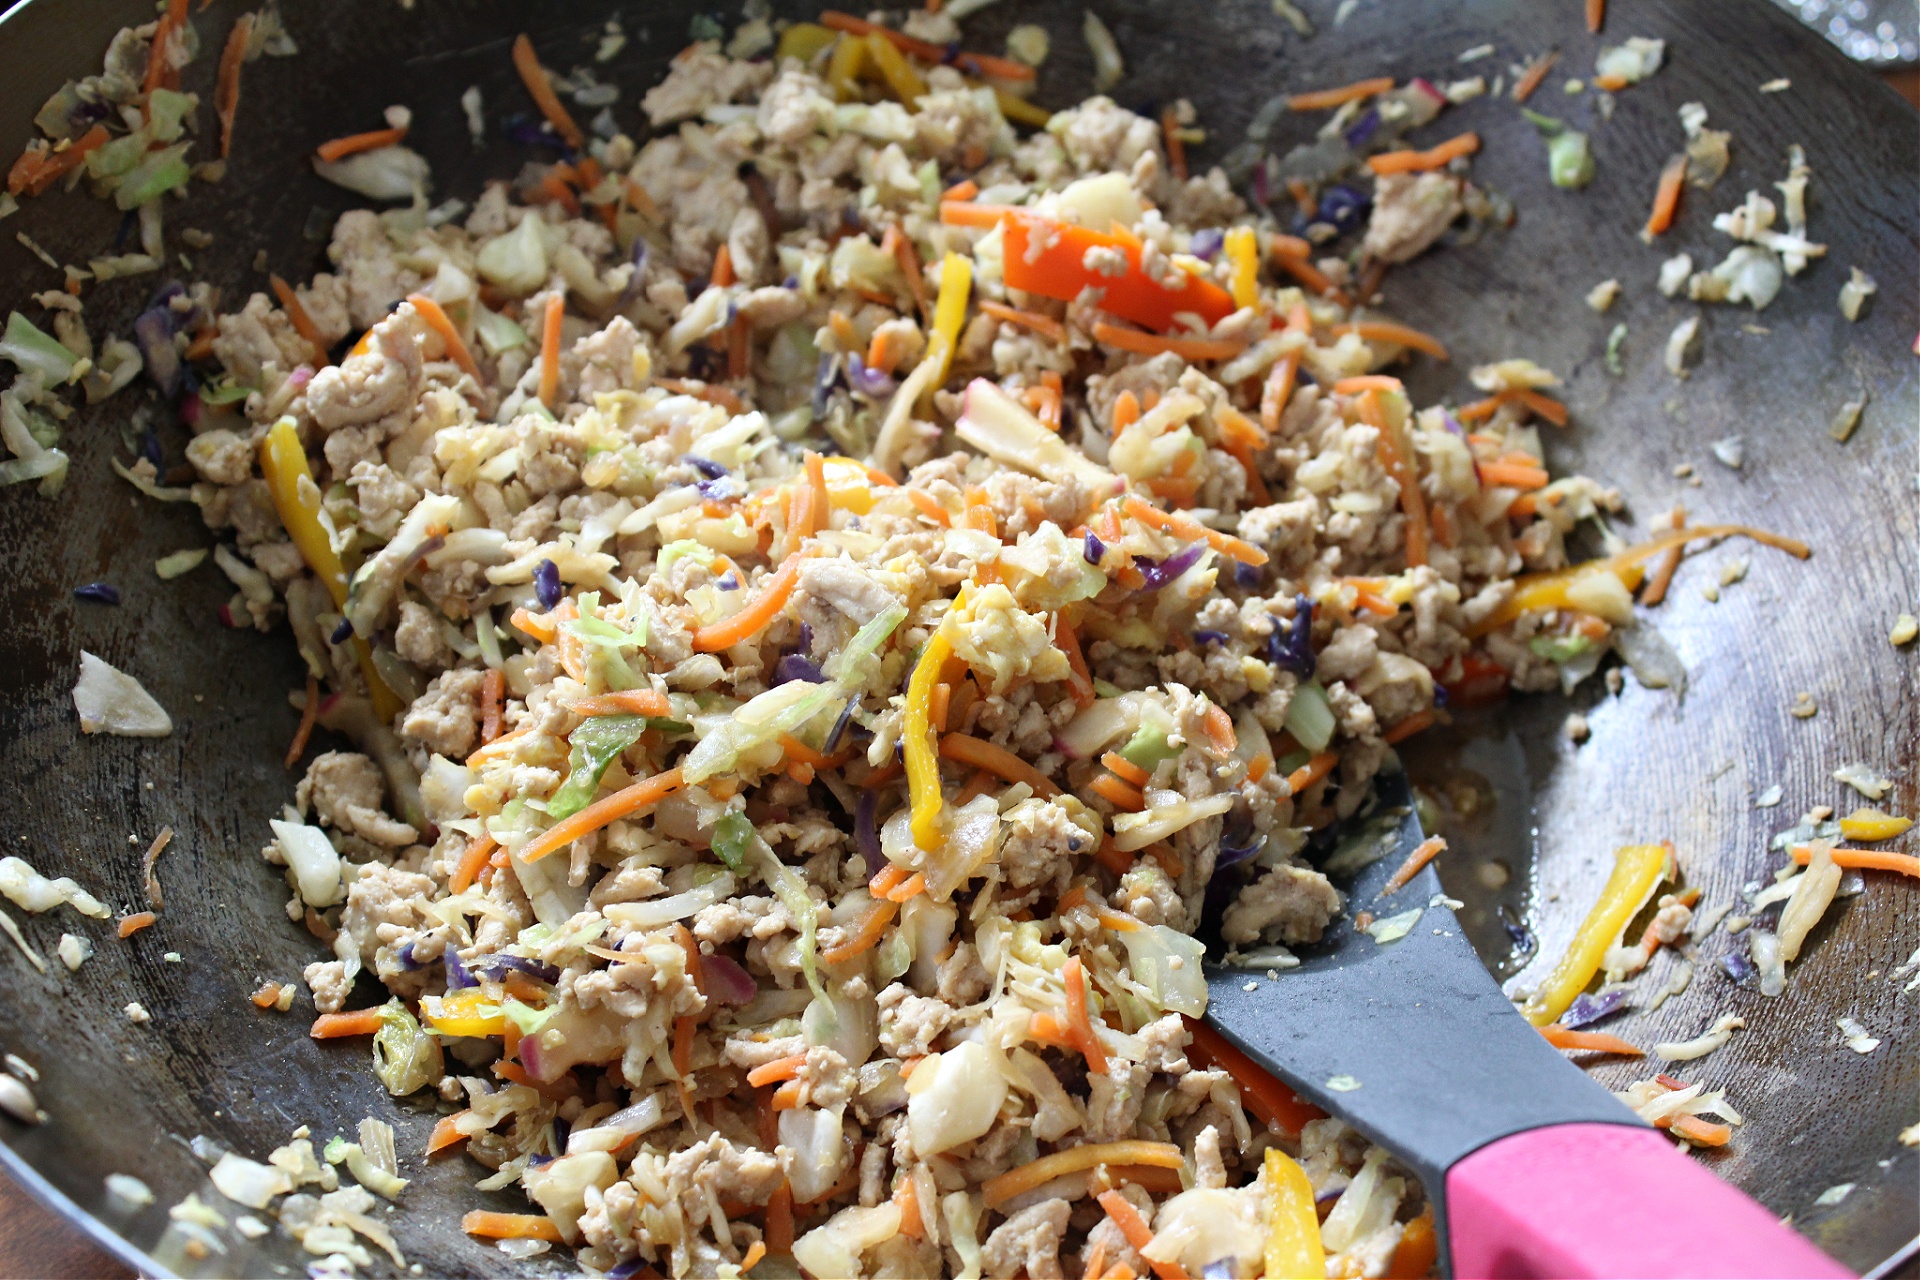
pixel 128 1098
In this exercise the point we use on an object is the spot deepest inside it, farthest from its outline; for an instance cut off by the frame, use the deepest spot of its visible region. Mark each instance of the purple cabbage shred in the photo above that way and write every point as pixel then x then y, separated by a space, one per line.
pixel 728 581
pixel 705 466
pixel 1248 575
pixel 823 380
pixel 1159 574
pixel 1737 966
pixel 1210 637
pixel 1587 1010
pixel 794 666
pixel 866 833
pixel 498 964
pixel 458 979
pixel 1343 207
pixel 1096 550
pixel 1359 132
pixel 342 633
pixel 546 583
pixel 1290 645
pixel 868 382
pixel 98 592
pixel 1207 242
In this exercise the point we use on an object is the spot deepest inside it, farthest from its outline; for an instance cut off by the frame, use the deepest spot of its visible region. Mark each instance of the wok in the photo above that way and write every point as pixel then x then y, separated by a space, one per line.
pixel 125 1097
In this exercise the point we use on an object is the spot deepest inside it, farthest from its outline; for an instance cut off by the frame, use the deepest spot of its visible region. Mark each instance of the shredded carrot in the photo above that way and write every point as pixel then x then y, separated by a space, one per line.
pixel 493 691
pixel 130 925
pixel 1153 344
pixel 1406 728
pixel 1398 334
pixel 1666 198
pixel 1259 767
pixel 964 190
pixel 1301 268
pixel 929 506
pixel 1278 391
pixel 226 92
pixel 753 619
pixel 1079 1025
pixel 437 320
pixel 1516 475
pixel 1419 1246
pixel 1065 639
pixel 1048 1029
pixel 756 1252
pixel 539 627
pixel 1121 795
pixel 489 1225
pixel 598 814
pixel 1129 771
pixel 534 76
pixel 999 1189
pixel 1193 531
pixel 979 64
pixel 467 870
pixel 1436 157
pixel 1312 771
pixel 1536 72
pixel 1546 406
pixel 1096 1259
pixel 302 322
pixel 1366 381
pixel 867 935
pixel 1593 1041
pixel 354 143
pixel 912 1224
pixel 161 73
pixel 445 1134
pixel 1320 99
pixel 1276 1105
pixel 1053 393
pixel 998 761
pixel 309 715
pixel 1137 1232
pixel 912 886
pixel 1596 18
pixel 1662 579
pixel 1399 465
pixel 267 996
pixel 334 1026
pixel 722 274
pixel 1120 1271
pixel 1703 1133
pixel 1864 859
pixel 938 704
pixel 1045 326
pixel 1219 729
pixel 822 505
pixel 780 1220
pixel 1176 146
pixel 1426 851
pixel 550 351
pixel 637 702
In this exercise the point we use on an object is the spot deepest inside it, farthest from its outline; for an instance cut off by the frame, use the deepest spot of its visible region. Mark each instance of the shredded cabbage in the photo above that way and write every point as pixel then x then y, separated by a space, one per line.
pixel 314 861
pixel 36 352
pixel 1168 964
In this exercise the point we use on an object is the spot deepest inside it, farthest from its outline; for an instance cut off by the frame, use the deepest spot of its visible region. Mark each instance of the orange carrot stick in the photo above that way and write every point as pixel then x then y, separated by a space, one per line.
pixel 753 619
pixel 1276 1105
pixel 634 702
pixel 1045 326
pixel 489 1225
pixel 1128 771
pixel 1666 198
pixel 550 351
pixel 1596 18
pixel 309 715
pixel 1864 859
pixel 1312 771
pixel 226 92
pixel 534 76
pixel 598 814
pixel 1366 381
pixel 302 322
pixel 1193 531
pixel 964 190
pixel 1399 334
pixel 1426 851
pixel 354 143
pixel 1073 973
pixel 130 925
pixel 437 320
pixel 1153 344
pixel 1591 1041
pixel 444 1134
pixel 1121 795
pixel 867 936
pixel 996 760
pixel 467 870
pixel 1394 458
pixel 1536 72
pixel 1320 99
pixel 333 1026
pixel 980 64
pixel 1137 1232
pixel 1419 161
pixel 1406 728
pixel 1513 475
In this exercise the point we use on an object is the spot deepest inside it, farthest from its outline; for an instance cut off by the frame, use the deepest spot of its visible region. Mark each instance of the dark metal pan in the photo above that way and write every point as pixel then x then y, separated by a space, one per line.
pixel 128 1098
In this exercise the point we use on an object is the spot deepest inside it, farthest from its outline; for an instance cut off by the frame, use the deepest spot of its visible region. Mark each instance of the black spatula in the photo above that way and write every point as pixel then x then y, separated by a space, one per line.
pixel 1533 1169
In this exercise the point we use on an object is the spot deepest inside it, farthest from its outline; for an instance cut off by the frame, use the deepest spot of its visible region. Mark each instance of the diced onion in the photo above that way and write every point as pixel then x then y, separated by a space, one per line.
pixel 315 862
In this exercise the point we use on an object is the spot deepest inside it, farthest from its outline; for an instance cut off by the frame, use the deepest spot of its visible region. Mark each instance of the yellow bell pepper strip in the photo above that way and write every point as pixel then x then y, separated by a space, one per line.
pixel 844 67
pixel 904 82
pixel 467 1012
pixel 1049 258
pixel 1243 252
pixel 283 461
pixel 802 40
pixel 917 745
pixel 1019 110
pixel 1870 825
pixel 1637 871
pixel 1549 590
pixel 950 307
pixel 1293 1228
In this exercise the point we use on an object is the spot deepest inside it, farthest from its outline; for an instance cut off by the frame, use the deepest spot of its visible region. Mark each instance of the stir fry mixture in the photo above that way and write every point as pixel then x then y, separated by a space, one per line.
pixel 828 603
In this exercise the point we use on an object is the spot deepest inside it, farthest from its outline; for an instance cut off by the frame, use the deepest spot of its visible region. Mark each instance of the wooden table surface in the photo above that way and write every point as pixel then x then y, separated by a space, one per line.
pixel 36 1245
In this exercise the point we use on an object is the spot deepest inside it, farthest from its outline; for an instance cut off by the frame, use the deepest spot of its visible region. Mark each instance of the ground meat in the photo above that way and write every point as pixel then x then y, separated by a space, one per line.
pixel 371 277
pixel 259 338
pixel 1039 844
pixel 221 456
pixel 384 379
pixel 1209 1170
pixel 909 1024
pixel 327 979
pixel 701 77
pixel 417 638
pixel 446 718
pixel 744 1175
pixel 381 914
pixel 1114 1099
pixel 1029 1241
pixel 346 790
pixel 1410 211
pixel 961 979
pixel 1100 136
pixel 1294 902
pixel 793 107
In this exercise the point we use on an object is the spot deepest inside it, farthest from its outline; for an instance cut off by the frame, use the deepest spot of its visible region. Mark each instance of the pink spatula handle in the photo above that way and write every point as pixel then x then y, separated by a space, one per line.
pixel 1606 1200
